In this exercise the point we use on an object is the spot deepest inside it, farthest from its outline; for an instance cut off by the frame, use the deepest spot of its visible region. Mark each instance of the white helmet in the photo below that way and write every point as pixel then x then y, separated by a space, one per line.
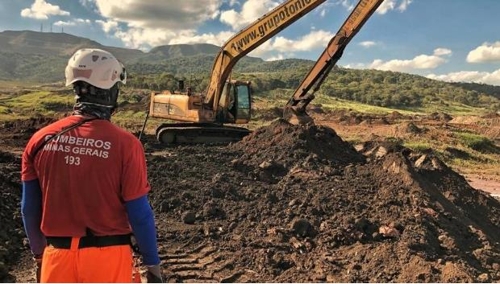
pixel 96 67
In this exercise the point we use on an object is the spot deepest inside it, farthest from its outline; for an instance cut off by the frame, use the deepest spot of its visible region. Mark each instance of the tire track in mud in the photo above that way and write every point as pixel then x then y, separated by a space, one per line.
pixel 204 263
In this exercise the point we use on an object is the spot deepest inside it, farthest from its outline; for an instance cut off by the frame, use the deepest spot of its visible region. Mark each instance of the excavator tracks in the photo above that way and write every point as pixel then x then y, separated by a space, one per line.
pixel 199 133
pixel 204 263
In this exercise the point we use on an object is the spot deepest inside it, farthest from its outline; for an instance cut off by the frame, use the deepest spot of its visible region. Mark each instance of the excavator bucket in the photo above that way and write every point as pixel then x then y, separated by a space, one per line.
pixel 297 117
pixel 296 114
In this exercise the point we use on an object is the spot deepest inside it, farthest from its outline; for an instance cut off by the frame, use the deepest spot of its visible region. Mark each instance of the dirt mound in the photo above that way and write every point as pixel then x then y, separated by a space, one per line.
pixel 440 116
pixel 398 217
pixel 11 233
pixel 412 128
pixel 281 148
pixel 298 204
pixel 491 115
pixel 395 115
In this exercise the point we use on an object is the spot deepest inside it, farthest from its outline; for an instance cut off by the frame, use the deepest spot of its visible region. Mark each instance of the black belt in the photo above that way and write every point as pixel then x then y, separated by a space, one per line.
pixel 89 241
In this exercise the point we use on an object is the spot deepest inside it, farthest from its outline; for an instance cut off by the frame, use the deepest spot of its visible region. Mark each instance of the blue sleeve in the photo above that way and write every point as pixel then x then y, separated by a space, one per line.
pixel 31 210
pixel 141 219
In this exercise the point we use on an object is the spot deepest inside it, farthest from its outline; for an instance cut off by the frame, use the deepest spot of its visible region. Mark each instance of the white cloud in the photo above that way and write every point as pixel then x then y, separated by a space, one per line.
pixel 191 38
pixel 281 47
pixel 263 50
pixel 72 23
pixel 389 5
pixel 310 41
pixel 156 14
pixel 144 38
pixel 487 52
pixel 386 6
pixel 404 5
pixel 442 51
pixel 151 23
pixel 41 10
pixel 492 78
pixel 233 2
pixel 250 11
pixel 349 5
pixel 367 43
pixel 277 57
pixel 142 24
pixel 108 26
pixel 86 3
pixel 356 66
pixel 418 62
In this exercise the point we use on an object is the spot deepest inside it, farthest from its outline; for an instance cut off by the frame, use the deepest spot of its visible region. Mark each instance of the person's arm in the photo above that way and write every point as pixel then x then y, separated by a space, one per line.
pixel 134 191
pixel 31 210
pixel 141 220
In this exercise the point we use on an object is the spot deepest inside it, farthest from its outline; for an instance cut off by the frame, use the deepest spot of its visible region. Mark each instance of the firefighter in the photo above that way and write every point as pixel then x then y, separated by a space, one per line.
pixel 85 186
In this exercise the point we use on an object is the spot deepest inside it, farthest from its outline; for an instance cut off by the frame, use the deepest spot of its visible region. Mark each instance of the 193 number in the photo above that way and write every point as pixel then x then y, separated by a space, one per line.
pixel 72 160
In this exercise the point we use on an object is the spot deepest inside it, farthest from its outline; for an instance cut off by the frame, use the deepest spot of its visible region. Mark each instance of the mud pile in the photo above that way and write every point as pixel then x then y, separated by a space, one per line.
pixel 274 151
pixel 295 204
pixel 299 204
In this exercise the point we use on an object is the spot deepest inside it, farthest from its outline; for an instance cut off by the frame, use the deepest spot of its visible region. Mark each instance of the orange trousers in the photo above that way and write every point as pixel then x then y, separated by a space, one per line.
pixel 88 265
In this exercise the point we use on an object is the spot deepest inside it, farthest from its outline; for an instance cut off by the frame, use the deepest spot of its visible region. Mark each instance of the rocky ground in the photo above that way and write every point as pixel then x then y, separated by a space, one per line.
pixel 295 204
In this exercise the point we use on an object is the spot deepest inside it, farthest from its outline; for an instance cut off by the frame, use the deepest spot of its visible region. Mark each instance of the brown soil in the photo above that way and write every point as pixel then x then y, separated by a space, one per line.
pixel 298 204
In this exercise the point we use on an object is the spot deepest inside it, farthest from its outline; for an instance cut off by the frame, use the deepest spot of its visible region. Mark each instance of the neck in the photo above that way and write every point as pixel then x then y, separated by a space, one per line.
pixel 92 110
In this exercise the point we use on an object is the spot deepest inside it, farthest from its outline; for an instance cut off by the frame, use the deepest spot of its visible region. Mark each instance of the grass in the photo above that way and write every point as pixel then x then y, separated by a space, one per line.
pixel 336 103
pixel 15 84
pixel 279 98
pixel 418 146
pixel 454 109
pixel 4 109
pixel 39 102
pixel 477 142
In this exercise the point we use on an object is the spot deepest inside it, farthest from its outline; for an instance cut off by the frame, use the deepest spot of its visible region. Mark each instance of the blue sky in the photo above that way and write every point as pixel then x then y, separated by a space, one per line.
pixel 451 40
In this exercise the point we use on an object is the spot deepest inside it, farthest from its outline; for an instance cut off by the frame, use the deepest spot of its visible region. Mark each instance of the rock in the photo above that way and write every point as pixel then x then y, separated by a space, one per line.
pixel 188 217
pixel 302 228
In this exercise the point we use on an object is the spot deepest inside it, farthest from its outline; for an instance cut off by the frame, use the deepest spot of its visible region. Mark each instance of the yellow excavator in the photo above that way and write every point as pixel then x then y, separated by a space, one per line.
pixel 295 109
pixel 202 115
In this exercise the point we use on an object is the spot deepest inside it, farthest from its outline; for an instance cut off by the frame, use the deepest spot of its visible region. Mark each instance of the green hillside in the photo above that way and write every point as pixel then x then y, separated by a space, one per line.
pixel 41 57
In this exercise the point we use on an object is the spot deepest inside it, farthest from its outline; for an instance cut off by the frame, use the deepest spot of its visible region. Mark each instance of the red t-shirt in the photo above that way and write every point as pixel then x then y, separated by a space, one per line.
pixel 86 175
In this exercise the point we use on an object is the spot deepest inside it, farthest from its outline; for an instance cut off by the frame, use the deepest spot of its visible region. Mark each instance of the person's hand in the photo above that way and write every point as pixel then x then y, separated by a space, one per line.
pixel 153 275
pixel 38 262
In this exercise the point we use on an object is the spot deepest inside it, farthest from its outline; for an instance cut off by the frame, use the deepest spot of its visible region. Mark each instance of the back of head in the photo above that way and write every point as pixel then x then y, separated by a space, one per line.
pixel 96 76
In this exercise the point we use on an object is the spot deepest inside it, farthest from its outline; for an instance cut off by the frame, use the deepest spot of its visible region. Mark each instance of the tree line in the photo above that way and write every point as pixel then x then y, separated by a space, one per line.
pixel 373 87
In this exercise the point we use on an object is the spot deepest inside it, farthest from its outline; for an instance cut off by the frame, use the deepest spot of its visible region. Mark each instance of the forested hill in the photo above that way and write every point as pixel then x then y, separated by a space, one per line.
pixel 41 57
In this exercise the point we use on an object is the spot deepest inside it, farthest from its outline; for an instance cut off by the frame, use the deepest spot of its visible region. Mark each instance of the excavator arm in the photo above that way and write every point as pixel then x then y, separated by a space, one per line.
pixel 200 117
pixel 304 94
pixel 250 38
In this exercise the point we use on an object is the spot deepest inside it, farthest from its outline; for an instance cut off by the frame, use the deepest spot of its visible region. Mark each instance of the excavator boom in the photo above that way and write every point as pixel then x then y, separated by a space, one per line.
pixel 295 108
pixel 250 38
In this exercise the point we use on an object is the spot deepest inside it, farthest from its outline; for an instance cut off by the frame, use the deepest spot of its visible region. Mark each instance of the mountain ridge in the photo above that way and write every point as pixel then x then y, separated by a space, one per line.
pixel 26 55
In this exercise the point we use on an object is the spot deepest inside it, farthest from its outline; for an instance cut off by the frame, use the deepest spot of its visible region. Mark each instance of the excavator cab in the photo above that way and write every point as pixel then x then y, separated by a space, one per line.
pixel 235 102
